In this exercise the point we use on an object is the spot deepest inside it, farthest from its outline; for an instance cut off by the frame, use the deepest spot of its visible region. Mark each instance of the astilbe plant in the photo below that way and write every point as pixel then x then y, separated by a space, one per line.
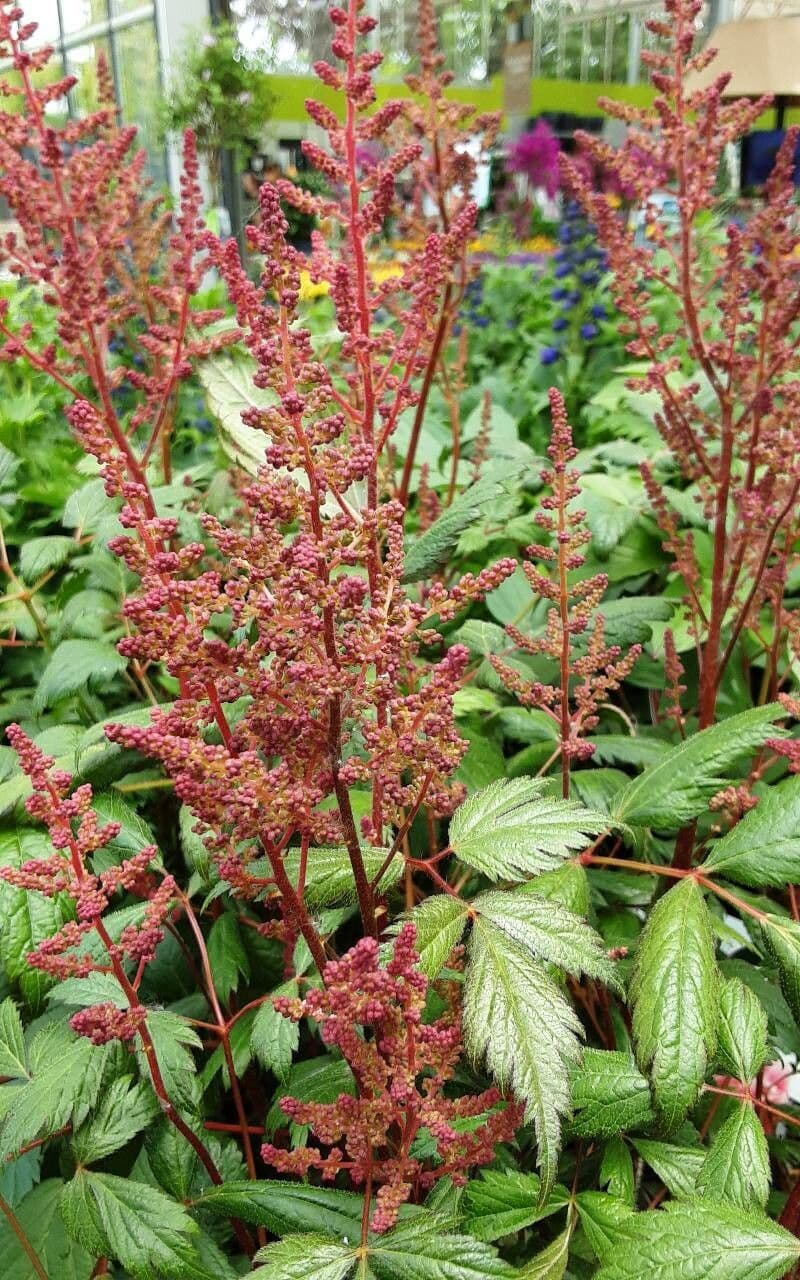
pixel 586 678
pixel 731 425
pixel 407 1037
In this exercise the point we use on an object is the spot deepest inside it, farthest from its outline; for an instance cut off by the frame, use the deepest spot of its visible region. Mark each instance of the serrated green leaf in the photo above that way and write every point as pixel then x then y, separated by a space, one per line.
pixel 516 1019
pixel 286 1207
pixel 764 846
pixel 26 918
pixel 674 992
pixel 416 1250
pixel 677 1167
pixel 13 1062
pixel 781 938
pixel 39 1217
pixel 275 1039
pixel 549 931
pixel 440 922
pixel 430 549
pixel 173 1040
pixel 512 830
pixel 136 1224
pixel 308 1257
pixel 605 1220
pixel 329 873
pixel 75 665
pixel 230 391
pixel 567 884
pixel 94 750
pixel 616 1170
pixel 551 1263
pixel 610 1095
pixel 226 955
pixel 501 1203
pixel 44 1104
pixel 737 1165
pixel 39 555
pixel 86 506
pixel 672 792
pixel 95 988
pixel 706 1240
pixel 123 1110
pixel 742 1048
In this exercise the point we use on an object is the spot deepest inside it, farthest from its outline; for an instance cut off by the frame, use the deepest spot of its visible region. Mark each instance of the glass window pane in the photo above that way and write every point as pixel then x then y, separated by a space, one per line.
pixel 45 13
pixel 118 7
pixel 140 89
pixel 77 14
pixel 82 63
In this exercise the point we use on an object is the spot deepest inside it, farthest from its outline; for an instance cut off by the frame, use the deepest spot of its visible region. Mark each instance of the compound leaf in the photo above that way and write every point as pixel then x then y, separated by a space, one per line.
pixel 511 829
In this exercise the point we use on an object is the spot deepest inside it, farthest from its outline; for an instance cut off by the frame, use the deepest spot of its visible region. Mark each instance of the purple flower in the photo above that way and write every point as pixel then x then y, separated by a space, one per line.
pixel 589 330
pixel 560 323
pixel 535 153
pixel 599 312
pixel 549 355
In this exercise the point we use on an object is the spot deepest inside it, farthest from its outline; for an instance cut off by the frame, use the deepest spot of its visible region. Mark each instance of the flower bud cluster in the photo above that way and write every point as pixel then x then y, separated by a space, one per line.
pixel 76 835
pixel 401 1064
pixel 591 672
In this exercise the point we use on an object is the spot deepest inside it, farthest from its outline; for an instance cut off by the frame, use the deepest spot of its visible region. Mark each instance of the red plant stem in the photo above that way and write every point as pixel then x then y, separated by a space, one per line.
pixel 19 1232
pixel 442 330
pixel 223 1034
pixel 563 604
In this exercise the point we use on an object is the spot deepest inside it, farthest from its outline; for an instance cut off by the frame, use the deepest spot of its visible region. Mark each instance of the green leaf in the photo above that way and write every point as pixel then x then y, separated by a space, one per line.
pixel 567 884
pixel 26 918
pixel 742 1048
pixel 39 1217
pixel 781 938
pixel 13 1062
pixel 309 1257
pixel 75 665
pixel 737 1165
pixel 85 507
pixel 416 1250
pixel 329 873
pixel 605 1220
pixel 764 846
pixel 123 1110
pixel 44 1104
pixel 512 830
pixel 677 1167
pixel 286 1207
pixel 672 792
pixel 610 1095
pixel 549 931
pixel 702 1241
pixel 616 1170
pixel 231 391
pixel 275 1039
pixel 95 988
pixel 551 1263
pixel 501 1203
pixel 39 555
pixel 516 1018
pixel 130 1221
pixel 173 1040
pixel 440 922
pixel 674 992
pixel 430 549
pixel 226 955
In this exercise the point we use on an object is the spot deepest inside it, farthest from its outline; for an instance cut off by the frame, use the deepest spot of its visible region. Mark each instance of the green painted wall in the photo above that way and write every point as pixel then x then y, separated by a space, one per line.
pixel 546 95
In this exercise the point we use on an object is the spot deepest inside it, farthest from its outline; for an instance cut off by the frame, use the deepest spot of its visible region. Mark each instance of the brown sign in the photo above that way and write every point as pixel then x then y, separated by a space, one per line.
pixel 517 67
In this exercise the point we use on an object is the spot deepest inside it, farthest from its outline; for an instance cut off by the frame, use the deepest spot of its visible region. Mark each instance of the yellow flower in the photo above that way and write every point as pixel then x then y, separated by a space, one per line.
pixel 312 288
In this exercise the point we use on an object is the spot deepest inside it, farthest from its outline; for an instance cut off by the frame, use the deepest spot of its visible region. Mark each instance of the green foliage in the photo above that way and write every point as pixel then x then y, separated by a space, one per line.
pixel 675 992
pixel 511 830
